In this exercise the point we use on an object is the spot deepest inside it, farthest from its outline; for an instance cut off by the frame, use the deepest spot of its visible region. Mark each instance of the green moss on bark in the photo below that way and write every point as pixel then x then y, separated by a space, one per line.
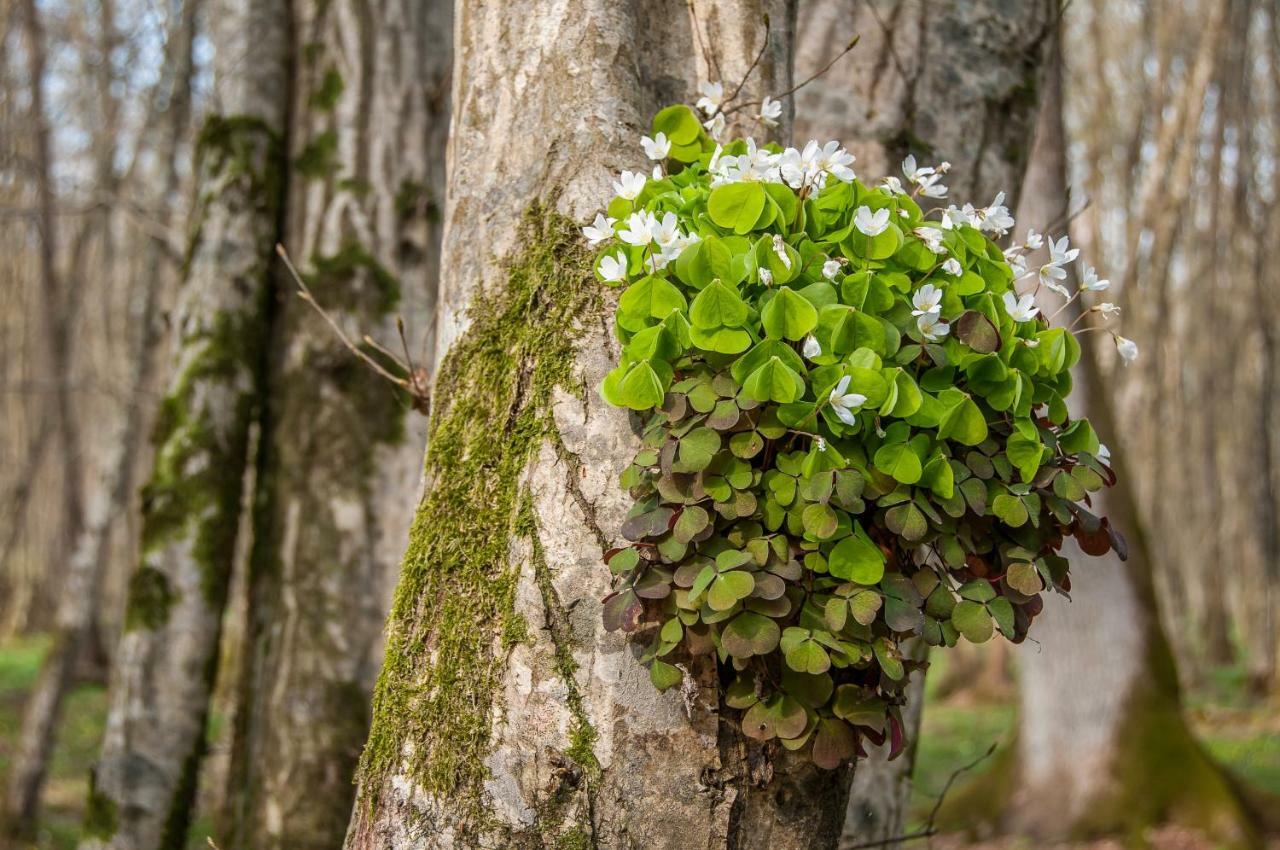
pixel 149 600
pixel 101 817
pixel 452 620
pixel 195 485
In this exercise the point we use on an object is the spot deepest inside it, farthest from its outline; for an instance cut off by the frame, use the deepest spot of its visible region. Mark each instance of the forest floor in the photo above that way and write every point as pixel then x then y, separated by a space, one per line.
pixel 1243 733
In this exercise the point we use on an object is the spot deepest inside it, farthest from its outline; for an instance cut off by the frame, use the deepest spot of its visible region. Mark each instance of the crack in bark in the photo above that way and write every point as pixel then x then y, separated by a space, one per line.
pixel 573 473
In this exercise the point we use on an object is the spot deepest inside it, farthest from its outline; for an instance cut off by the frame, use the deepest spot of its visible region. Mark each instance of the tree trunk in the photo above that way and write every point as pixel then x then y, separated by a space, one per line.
pixel 954 82
pixel 145 782
pixel 1101 732
pixel 342 448
pixel 505 714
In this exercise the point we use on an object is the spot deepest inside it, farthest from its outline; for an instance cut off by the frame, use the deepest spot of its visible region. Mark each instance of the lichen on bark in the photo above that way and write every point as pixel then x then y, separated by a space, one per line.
pixel 453 618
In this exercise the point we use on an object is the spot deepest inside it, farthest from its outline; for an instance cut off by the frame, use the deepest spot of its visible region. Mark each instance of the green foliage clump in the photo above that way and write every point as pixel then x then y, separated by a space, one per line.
pixel 855 431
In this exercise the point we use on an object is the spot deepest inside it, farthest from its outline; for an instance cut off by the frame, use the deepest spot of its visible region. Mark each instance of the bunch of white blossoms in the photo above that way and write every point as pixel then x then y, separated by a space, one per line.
pixel 806 170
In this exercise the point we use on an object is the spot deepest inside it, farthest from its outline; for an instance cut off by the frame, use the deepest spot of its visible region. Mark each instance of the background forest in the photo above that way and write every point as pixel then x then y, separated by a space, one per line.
pixel 212 665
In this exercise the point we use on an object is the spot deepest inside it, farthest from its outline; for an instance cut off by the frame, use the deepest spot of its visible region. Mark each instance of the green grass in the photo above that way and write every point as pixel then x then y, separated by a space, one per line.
pixel 79 737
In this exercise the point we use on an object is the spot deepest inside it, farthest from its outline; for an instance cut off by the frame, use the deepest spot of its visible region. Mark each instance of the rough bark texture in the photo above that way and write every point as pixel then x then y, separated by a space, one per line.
pixel 144 784
pixel 1101 732
pixel 944 81
pixel 954 82
pixel 342 450
pixel 506 716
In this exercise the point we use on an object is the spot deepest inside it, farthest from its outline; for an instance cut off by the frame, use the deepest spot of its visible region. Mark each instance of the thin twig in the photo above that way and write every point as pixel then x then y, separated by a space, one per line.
pixel 930 829
pixel 713 64
pixel 805 82
pixel 305 294
pixel 764 45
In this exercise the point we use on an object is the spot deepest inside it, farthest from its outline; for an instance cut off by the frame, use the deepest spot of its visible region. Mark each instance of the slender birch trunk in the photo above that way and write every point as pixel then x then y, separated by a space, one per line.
pixel 1101 732
pixel 145 781
pixel 954 82
pixel 343 449
pixel 505 714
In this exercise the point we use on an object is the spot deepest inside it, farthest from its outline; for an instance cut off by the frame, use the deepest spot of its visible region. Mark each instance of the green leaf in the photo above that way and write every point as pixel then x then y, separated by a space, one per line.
pixel 1024 578
pixel 1025 454
pixel 728 588
pixel 679 123
pixel 900 461
pixel 750 634
pixel 774 381
pixel 642 388
pixel 808 657
pixel 972 620
pixel 736 206
pixel 717 306
pixel 690 523
pixel 820 521
pixel 1010 509
pixel 864 605
pixel 963 420
pixel 788 315
pixel 664 675
pixel 697 448
pixel 856 558
pixel 939 477
pixel 906 521
pixel 648 298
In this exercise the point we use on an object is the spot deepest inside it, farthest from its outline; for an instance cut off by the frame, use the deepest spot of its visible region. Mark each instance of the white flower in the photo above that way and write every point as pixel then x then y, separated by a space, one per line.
pixel 845 404
pixel 1018 265
pixel 1020 309
pixel 766 277
pixel 952 267
pixel 1050 274
pixel 811 348
pixel 894 185
pixel 800 167
pixel 715 126
pixel 656 148
pixel 1091 283
pixel 629 185
pixel 830 269
pixel 712 95
pixel 664 232
pixel 639 229
pixel 657 172
pixel 1127 348
pixel 1108 310
pixel 614 268
pixel 953 217
pixel 770 111
pixel 835 160
pixel 821 444
pixel 599 230
pixel 903 214
pixel 1104 453
pixel 932 238
pixel 1034 240
pixel 931 327
pixel 1059 252
pixel 931 188
pixel 911 172
pixel 927 300
pixel 780 248
pixel 995 218
pixel 871 223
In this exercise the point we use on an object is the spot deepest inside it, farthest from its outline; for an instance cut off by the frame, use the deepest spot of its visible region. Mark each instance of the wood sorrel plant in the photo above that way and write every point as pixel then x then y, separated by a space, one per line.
pixel 855 427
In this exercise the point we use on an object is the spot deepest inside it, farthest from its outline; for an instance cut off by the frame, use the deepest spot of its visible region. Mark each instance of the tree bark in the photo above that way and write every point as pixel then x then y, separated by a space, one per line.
pixel 144 784
pixel 954 82
pixel 342 447
pixel 1100 726
pixel 505 714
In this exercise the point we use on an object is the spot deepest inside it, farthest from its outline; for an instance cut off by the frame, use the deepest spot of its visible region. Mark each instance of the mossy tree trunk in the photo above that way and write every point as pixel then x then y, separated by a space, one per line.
pixel 1102 745
pixel 144 784
pixel 506 716
pixel 954 82
pixel 340 469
